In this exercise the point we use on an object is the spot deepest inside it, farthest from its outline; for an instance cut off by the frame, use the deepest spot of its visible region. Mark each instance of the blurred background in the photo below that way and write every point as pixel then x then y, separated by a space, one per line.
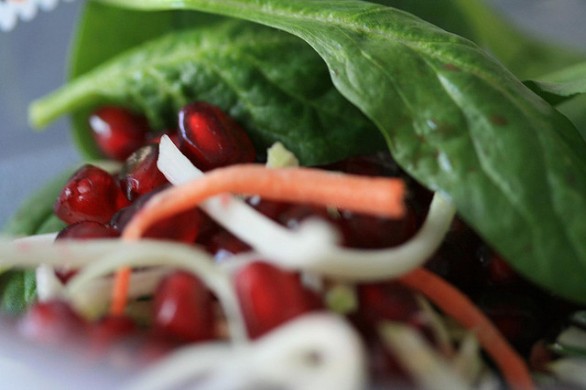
pixel 32 63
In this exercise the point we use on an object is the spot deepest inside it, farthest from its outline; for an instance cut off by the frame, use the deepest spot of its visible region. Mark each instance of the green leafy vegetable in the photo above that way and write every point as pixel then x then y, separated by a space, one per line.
pixel 35 216
pixel 273 83
pixel 37 211
pixel 524 55
pixel 456 120
pixel 561 84
pixel 17 291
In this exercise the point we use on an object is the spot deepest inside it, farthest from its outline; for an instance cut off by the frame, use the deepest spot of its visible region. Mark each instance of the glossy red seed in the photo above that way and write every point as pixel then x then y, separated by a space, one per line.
pixel 86 230
pixel 366 231
pixel 211 139
pixel 270 297
pixel 91 194
pixel 224 244
pixel 294 214
pixel 172 134
pixel 108 331
pixel 498 271
pixel 386 301
pixel 519 316
pixel 183 227
pixel 270 208
pixel 140 174
pixel 183 308
pixel 51 323
pixel 117 131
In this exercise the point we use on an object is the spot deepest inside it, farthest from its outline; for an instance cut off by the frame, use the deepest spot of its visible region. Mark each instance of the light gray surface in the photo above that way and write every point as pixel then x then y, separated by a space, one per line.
pixel 32 63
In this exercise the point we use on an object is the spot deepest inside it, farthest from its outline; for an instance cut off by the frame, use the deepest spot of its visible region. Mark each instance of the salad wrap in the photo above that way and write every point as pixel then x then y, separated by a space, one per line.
pixel 465 106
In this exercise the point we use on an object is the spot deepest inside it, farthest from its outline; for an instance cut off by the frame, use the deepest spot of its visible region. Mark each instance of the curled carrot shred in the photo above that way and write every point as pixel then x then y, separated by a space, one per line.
pixel 379 196
pixel 458 306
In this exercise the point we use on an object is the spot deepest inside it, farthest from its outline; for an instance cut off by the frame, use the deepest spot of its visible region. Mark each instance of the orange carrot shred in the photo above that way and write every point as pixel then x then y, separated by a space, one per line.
pixel 458 306
pixel 380 196
pixel 120 293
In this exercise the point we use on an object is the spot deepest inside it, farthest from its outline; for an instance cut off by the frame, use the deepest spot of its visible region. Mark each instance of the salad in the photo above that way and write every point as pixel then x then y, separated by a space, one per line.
pixel 311 194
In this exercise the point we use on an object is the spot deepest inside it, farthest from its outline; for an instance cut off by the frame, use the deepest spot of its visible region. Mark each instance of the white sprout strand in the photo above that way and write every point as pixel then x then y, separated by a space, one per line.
pixel 48 284
pixel 25 253
pixel 183 365
pixel 311 247
pixel 570 370
pixel 265 235
pixel 428 369
pixel 315 351
pixel 181 256
pixel 93 300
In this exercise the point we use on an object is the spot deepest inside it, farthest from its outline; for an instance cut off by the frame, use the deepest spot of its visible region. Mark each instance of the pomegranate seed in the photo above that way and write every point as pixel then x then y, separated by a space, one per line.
pixel 86 230
pixel 381 164
pixel 270 208
pixel 172 134
pixel 366 231
pixel 498 271
pixel 457 262
pixel 91 194
pixel 51 323
pixel 108 331
pixel 293 215
pixel 140 174
pixel 155 346
pixel 270 297
pixel 183 308
pixel 183 227
pixel 386 301
pixel 117 131
pixel 211 139
pixel 224 244
pixel 519 317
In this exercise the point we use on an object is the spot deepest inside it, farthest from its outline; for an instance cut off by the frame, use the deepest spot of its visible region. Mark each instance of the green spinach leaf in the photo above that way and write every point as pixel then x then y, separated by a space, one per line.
pixel 562 84
pixel 36 212
pixel 104 32
pixel 17 291
pixel 455 119
pixel 272 82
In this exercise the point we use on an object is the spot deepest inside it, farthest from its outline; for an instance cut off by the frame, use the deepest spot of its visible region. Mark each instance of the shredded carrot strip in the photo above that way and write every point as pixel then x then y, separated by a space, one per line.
pixel 120 293
pixel 458 306
pixel 380 196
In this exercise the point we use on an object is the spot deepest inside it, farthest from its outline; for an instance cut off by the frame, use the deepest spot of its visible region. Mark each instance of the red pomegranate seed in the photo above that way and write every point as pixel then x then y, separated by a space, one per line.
pixel 498 271
pixel 270 297
pixel 386 301
pixel 91 194
pixel 270 208
pixel 183 308
pixel 140 174
pixel 52 323
pixel 82 230
pixel 172 134
pixel 294 214
pixel 86 230
pixel 224 244
pixel 117 131
pixel 366 231
pixel 108 331
pixel 183 227
pixel 211 139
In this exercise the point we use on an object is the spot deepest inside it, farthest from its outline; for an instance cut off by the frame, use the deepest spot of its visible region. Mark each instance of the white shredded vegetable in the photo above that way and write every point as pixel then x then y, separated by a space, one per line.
pixel 167 254
pixel 312 247
pixel 428 369
pixel 570 370
pixel 93 299
pixel 48 284
pixel 315 351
